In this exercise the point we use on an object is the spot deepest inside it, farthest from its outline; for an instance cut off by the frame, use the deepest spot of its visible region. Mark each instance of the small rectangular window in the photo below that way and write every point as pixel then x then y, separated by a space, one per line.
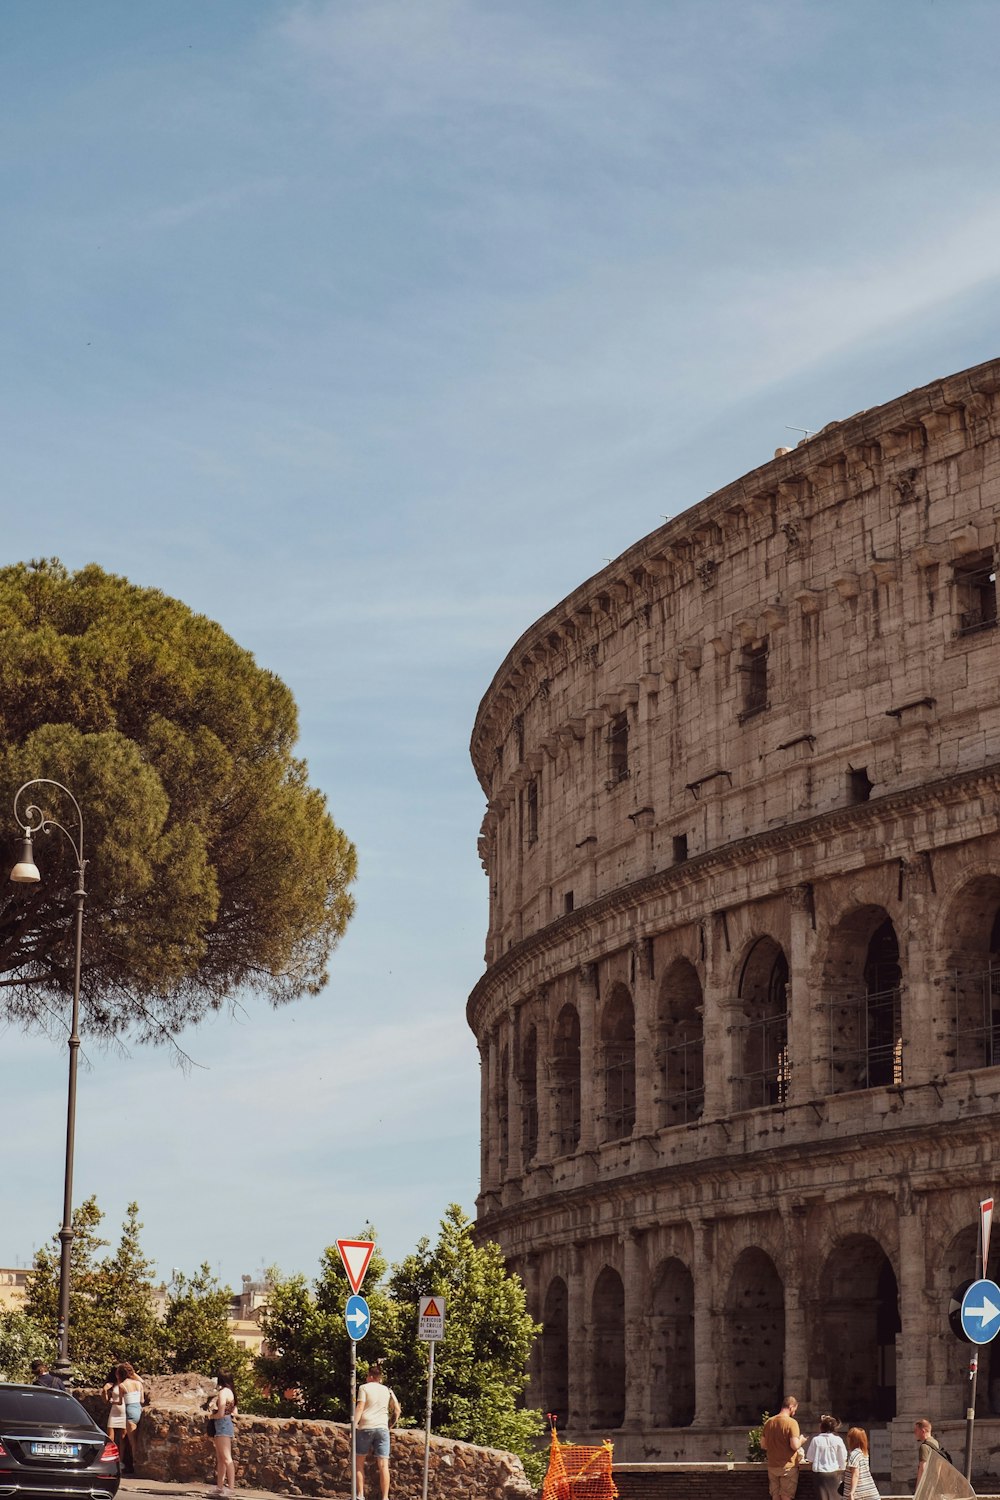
pixel 618 749
pixel 532 804
pixel 753 666
pixel 680 848
pixel 568 902
pixel 859 786
pixel 976 593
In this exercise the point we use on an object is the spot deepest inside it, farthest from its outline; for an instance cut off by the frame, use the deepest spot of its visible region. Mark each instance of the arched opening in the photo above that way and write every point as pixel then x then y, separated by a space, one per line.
pixel 755 1331
pixel 884 1025
pixel 607 1386
pixel 529 1097
pixel 671 1338
pixel 555 1350
pixel 503 1112
pixel 859 1320
pixel 618 1064
pixel 566 1082
pixel 763 993
pixel 681 1044
pixel 861 982
pixel 974 965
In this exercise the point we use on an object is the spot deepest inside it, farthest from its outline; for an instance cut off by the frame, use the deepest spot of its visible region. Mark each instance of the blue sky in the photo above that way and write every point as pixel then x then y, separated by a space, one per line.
pixel 371 330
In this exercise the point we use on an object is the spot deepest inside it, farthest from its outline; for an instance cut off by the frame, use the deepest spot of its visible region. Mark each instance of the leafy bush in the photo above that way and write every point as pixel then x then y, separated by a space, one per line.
pixel 755 1443
pixel 21 1341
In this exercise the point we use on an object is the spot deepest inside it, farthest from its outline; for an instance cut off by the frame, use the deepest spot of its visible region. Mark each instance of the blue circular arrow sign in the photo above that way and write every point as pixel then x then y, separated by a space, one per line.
pixel 981 1312
pixel 359 1319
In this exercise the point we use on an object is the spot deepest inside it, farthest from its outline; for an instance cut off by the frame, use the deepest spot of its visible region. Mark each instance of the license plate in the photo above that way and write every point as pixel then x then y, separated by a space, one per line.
pixel 55 1450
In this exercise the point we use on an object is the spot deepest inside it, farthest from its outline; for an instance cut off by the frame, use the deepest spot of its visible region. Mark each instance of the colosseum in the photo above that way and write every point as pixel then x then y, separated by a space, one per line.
pixel 740 1019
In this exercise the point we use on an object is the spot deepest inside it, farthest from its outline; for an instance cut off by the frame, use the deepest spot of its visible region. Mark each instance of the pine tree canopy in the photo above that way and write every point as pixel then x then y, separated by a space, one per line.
pixel 213 865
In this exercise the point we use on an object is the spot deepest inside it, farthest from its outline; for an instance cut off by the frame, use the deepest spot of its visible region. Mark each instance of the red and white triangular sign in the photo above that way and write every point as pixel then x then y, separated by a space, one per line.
pixel 986 1217
pixel 431 1310
pixel 355 1254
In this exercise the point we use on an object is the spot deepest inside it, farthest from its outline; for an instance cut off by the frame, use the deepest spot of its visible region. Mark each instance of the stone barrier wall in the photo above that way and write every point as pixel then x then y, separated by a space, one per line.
pixel 297 1457
pixel 735 1481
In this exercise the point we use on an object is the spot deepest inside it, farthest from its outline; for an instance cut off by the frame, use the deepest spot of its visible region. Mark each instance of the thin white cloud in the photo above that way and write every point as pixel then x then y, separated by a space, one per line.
pixel 208 205
pixel 418 59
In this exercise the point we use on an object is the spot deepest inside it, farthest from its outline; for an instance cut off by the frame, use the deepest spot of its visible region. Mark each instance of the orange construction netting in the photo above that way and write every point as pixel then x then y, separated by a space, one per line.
pixel 578 1473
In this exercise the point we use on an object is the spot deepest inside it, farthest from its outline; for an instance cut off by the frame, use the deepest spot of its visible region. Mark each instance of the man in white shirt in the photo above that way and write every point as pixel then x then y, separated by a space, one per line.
pixel 376 1408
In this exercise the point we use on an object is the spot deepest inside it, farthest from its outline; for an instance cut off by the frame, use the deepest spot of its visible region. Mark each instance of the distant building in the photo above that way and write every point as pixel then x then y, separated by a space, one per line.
pixel 740 1020
pixel 13 1285
pixel 246 1308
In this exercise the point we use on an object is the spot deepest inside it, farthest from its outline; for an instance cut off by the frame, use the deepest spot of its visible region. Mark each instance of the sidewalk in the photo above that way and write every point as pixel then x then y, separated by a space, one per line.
pixel 164 1489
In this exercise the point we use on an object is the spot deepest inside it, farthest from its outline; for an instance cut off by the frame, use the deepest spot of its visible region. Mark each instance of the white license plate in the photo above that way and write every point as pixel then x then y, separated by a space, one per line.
pixel 55 1450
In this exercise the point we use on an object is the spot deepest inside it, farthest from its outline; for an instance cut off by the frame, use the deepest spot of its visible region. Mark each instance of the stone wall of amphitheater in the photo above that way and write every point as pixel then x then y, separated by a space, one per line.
pixel 741 1010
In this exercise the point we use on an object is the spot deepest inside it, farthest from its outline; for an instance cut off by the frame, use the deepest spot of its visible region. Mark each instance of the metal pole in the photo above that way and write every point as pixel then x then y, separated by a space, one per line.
pixel 35 820
pixel 427 1429
pixel 354 1430
pixel 970 1411
pixel 970 1414
pixel 62 1364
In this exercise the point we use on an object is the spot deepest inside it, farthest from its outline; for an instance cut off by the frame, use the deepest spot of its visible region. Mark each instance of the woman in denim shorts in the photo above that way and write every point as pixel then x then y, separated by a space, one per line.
pixel 222 1408
pixel 133 1393
pixel 377 1407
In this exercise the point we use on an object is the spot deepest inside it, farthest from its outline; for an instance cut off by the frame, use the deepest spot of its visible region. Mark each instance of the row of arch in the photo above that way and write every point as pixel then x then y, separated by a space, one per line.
pixel 862 985
pixel 853 1331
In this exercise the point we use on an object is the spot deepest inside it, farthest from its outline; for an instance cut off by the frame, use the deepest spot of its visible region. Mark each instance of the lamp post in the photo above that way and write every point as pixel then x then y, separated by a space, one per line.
pixel 25 872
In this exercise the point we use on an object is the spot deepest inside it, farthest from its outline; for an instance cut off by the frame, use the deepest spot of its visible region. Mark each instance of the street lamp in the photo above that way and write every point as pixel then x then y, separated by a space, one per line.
pixel 25 872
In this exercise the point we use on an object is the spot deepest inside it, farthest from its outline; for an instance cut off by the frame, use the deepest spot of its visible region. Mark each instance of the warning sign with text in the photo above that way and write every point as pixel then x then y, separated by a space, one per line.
pixel 431 1323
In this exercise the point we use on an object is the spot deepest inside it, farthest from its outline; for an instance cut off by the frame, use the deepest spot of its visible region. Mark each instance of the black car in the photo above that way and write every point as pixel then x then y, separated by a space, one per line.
pixel 50 1446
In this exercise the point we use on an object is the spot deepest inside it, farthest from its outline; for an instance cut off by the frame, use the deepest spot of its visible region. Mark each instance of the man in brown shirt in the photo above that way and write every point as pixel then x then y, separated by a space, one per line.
pixel 926 1441
pixel 782 1442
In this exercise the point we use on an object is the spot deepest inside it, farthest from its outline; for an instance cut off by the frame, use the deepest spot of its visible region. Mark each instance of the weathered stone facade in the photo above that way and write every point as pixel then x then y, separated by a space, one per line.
pixel 741 1012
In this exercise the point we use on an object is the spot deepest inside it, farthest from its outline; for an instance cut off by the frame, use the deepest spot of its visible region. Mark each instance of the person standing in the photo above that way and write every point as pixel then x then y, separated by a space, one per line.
pixel 376 1409
pixel 858 1481
pixel 221 1409
pixel 115 1397
pixel 926 1443
pixel 828 1456
pixel 783 1442
pixel 44 1376
pixel 134 1392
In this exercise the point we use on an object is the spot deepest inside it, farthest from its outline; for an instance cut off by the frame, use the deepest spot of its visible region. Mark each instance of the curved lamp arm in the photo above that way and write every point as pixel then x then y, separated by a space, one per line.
pixel 34 820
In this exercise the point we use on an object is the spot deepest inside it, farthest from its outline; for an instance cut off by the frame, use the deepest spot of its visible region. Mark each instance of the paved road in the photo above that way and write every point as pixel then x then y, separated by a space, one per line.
pixel 158 1489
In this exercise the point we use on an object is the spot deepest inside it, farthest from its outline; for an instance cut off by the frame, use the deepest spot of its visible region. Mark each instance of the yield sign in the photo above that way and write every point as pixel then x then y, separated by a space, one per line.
pixel 355 1255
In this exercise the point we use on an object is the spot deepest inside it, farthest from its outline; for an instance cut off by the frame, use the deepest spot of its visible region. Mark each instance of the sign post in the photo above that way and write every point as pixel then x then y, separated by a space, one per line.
pixel 354 1429
pixel 355 1255
pixel 976 1319
pixel 430 1328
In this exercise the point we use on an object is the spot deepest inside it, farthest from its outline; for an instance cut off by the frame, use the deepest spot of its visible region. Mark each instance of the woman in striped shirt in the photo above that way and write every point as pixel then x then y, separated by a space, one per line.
pixel 858 1481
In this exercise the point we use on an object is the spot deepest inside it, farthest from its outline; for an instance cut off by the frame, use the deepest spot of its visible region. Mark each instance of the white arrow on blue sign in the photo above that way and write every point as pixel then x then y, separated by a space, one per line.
pixel 981 1312
pixel 357 1317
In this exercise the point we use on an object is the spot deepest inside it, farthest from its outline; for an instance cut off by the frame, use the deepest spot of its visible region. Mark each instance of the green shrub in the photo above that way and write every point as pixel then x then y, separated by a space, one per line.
pixel 755 1445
